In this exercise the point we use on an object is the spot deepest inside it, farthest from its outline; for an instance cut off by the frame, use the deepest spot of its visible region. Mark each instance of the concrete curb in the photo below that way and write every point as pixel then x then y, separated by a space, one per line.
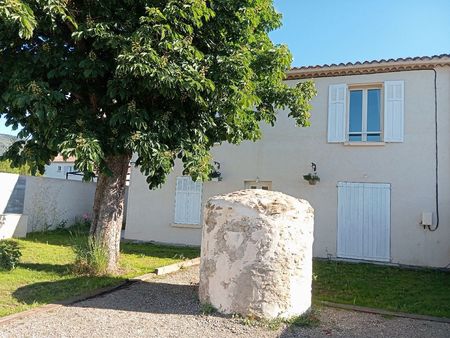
pixel 99 292
pixel 385 312
pixel 177 266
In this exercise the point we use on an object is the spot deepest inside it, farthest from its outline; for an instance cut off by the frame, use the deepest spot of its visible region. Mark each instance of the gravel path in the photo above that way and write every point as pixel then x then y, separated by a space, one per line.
pixel 168 307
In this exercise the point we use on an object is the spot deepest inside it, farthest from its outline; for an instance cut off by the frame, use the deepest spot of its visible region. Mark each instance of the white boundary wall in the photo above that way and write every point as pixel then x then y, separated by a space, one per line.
pixel 49 201
pixel 44 202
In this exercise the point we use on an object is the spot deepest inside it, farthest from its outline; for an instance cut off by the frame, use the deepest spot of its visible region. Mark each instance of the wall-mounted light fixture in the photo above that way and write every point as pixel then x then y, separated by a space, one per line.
pixel 312 177
pixel 215 174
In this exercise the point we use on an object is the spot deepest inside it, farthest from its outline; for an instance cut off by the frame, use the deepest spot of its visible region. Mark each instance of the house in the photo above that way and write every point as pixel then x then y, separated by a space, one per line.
pixel 379 142
pixel 62 168
pixel 65 169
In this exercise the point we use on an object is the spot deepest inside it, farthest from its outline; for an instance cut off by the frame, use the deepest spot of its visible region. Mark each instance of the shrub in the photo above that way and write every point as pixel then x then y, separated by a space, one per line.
pixel 62 224
pixel 9 255
pixel 80 226
pixel 309 319
pixel 91 258
pixel 207 309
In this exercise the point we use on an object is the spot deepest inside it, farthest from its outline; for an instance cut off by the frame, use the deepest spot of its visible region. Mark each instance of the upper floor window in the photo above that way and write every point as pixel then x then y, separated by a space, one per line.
pixel 364 120
pixel 366 113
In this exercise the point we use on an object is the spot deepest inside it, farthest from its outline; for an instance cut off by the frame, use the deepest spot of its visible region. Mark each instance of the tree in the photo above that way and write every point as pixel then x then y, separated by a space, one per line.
pixel 5 167
pixel 162 79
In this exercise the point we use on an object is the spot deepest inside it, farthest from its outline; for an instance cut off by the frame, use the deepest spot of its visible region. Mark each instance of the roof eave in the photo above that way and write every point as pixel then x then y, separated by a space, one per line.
pixel 359 69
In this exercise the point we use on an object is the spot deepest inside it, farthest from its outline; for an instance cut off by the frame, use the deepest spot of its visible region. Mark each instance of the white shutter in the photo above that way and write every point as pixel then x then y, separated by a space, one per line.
pixel 394 111
pixel 350 220
pixel 180 201
pixel 337 95
pixel 377 219
pixel 195 198
pixel 188 197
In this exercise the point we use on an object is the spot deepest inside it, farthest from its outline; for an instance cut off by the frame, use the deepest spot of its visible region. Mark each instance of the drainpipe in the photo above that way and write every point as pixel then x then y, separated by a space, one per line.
pixel 436 152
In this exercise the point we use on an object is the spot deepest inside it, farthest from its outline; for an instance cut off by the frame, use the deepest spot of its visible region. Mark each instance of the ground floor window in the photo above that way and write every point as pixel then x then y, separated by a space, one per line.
pixel 188 200
pixel 264 185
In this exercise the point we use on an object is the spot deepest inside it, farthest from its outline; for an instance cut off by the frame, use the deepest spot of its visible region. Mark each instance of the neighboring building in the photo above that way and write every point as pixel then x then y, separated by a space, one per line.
pixel 379 135
pixel 64 169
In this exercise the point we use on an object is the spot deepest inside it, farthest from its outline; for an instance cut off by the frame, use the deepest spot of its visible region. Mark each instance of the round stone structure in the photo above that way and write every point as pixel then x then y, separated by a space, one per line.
pixel 256 254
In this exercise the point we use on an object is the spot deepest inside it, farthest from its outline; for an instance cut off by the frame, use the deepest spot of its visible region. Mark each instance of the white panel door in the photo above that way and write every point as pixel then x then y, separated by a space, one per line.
pixel 364 212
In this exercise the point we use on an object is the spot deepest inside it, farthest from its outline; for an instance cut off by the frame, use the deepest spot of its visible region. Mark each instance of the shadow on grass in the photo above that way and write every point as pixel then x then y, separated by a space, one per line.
pixel 159 251
pixel 55 237
pixel 66 238
pixel 61 269
pixel 48 292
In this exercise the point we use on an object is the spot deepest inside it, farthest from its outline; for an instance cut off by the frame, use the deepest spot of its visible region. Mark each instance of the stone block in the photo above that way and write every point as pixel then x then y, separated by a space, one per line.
pixel 256 255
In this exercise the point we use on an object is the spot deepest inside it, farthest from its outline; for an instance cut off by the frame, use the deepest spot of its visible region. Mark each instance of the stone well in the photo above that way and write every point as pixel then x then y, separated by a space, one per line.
pixel 256 256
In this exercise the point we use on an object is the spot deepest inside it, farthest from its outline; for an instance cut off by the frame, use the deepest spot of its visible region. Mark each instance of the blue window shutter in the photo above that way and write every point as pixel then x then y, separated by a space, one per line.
pixel 394 104
pixel 337 107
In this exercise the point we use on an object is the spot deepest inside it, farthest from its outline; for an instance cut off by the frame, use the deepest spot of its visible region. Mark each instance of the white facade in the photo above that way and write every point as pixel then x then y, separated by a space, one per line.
pixel 60 169
pixel 373 140
pixel 29 203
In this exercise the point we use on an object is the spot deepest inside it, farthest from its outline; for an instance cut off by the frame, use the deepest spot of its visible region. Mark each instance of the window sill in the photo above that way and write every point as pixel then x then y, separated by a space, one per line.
pixel 188 226
pixel 362 144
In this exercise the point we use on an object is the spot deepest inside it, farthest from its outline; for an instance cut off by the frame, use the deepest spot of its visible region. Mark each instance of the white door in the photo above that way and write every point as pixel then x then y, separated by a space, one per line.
pixel 364 220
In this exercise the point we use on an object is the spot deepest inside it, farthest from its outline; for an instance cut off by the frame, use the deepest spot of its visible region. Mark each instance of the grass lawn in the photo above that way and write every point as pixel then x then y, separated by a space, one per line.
pixel 423 291
pixel 44 276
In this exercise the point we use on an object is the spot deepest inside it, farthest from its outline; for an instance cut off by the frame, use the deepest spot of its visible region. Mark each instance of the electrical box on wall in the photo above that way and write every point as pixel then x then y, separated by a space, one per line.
pixel 427 219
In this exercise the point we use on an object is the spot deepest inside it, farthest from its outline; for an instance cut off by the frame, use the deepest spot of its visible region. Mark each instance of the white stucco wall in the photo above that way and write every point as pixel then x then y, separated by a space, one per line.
pixel 285 154
pixel 45 201
pixel 8 183
pixel 13 226
pixel 50 201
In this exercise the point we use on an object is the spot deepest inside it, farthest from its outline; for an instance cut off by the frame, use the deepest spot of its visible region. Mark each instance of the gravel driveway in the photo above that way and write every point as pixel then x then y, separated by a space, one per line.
pixel 168 307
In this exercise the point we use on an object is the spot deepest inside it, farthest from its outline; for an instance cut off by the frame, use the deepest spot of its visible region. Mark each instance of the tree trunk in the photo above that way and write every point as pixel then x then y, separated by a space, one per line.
pixel 108 208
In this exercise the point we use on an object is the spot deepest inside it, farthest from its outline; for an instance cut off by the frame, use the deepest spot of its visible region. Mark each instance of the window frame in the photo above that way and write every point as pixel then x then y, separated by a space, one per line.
pixel 365 87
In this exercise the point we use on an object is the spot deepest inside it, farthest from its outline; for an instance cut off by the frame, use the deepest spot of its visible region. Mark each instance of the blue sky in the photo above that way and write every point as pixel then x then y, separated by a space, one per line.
pixel 334 31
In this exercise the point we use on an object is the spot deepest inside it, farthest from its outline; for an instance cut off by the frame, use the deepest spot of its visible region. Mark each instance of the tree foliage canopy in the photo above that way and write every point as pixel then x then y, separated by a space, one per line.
pixel 5 167
pixel 164 79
